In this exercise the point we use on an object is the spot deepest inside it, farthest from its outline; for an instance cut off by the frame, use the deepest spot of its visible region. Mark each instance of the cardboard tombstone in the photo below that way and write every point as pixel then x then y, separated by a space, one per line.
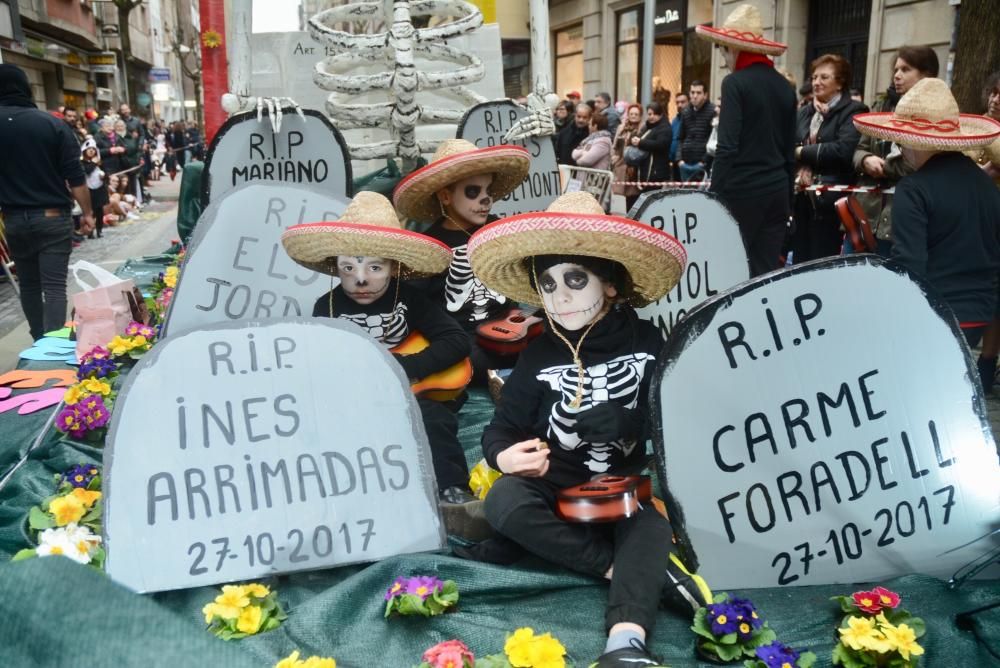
pixel 822 425
pixel 248 449
pixel 485 125
pixel 307 151
pixel 236 268
pixel 716 257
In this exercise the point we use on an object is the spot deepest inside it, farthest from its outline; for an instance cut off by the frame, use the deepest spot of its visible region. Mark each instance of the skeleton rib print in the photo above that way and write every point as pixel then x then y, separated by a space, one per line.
pixel 461 287
pixel 389 328
pixel 617 380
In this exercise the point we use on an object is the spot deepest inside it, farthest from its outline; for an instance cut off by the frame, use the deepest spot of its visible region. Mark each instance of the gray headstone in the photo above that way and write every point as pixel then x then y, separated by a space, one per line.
pixel 306 151
pixel 716 258
pixel 822 425
pixel 236 267
pixel 485 125
pixel 244 450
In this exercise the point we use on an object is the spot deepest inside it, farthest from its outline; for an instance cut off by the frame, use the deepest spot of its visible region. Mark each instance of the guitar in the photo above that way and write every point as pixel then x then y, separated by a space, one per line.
pixel 604 499
pixel 511 334
pixel 442 385
pixel 856 223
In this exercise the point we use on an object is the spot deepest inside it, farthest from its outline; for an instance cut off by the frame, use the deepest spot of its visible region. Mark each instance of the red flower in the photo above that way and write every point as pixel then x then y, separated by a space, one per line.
pixel 868 601
pixel 886 598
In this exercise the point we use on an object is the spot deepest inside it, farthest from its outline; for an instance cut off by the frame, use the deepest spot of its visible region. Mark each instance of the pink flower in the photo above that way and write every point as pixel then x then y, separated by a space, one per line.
pixel 886 598
pixel 449 654
pixel 868 601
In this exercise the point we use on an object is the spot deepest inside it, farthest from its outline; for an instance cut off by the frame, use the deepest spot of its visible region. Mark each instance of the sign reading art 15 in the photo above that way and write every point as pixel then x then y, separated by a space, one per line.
pixel 808 456
pixel 246 450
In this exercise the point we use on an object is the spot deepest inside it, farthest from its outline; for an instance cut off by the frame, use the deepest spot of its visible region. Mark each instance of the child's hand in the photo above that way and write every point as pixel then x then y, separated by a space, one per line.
pixel 527 458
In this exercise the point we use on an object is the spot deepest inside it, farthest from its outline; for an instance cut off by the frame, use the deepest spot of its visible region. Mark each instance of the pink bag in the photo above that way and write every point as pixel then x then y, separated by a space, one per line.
pixel 103 310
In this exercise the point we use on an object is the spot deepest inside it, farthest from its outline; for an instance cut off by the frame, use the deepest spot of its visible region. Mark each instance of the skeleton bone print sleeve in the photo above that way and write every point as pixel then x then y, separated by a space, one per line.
pixel 619 357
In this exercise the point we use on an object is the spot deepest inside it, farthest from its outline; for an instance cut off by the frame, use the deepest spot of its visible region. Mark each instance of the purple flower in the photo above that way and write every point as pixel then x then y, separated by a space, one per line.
pixel 96 368
pixel 777 655
pixel 95 353
pixel 721 618
pixel 398 588
pixel 745 611
pixel 80 475
pixel 423 585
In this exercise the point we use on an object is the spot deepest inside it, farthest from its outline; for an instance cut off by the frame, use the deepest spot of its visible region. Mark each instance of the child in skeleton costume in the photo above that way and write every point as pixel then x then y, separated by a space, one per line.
pixel 456 191
pixel 369 251
pixel 575 405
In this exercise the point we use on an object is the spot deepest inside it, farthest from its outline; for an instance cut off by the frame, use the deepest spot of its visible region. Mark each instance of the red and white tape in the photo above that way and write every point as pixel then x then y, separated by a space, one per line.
pixel 820 188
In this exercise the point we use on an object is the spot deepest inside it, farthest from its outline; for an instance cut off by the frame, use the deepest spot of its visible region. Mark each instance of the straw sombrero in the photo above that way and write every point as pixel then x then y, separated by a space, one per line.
pixel 927 118
pixel 742 31
pixel 575 224
pixel 456 159
pixel 368 227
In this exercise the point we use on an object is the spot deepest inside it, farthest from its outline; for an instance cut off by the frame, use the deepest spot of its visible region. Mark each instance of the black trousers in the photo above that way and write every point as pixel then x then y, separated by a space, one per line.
pixel 523 510
pixel 817 228
pixel 40 247
pixel 763 221
pixel 483 359
pixel 441 425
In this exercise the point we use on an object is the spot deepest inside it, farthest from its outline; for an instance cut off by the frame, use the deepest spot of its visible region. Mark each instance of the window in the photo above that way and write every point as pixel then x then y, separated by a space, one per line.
pixel 840 27
pixel 569 59
pixel 628 54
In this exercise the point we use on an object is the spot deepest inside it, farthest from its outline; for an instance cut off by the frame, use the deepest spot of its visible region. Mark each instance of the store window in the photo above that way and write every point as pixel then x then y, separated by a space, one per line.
pixel 629 54
pixel 569 59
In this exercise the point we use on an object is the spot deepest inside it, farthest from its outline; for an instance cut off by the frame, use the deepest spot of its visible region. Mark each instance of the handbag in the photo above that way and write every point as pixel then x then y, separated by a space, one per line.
pixel 105 306
pixel 635 156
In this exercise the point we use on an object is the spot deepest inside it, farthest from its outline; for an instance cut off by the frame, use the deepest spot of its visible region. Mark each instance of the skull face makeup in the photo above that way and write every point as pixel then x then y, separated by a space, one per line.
pixel 467 202
pixel 364 279
pixel 573 295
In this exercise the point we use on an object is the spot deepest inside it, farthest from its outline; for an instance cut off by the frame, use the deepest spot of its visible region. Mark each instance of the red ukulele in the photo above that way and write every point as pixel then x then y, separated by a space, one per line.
pixel 511 334
pixel 606 499
pixel 856 223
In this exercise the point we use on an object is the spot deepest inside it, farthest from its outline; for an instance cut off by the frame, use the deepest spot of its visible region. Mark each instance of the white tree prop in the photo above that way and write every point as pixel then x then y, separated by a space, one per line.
pixel 396 49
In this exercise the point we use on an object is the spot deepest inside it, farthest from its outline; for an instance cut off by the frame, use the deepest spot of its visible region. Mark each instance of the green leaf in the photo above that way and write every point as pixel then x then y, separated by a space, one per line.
pixel 701 626
pixel 763 636
pixel 410 604
pixel 844 656
pixel 21 555
pixel 806 660
pixel 97 561
pixel 918 625
pixel 40 520
pixel 493 661
pixel 389 606
pixel 721 597
pixel 846 603
pixel 729 652
pixel 93 514
pixel 728 639
pixel 754 663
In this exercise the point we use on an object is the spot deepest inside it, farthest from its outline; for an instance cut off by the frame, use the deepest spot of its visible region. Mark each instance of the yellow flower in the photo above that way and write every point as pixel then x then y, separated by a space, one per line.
pixel 901 638
pixel 526 650
pixel 256 590
pixel 210 39
pixel 233 596
pixel 290 661
pixel 861 634
pixel 250 618
pixel 119 346
pixel 67 509
pixel 95 386
pixel 210 611
pixel 482 478
pixel 319 662
pixel 73 394
pixel 138 341
pixel 86 497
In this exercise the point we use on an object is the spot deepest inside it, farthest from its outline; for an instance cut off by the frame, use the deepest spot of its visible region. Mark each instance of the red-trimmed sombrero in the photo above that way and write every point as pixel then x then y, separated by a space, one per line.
pixel 927 118
pixel 456 159
pixel 369 227
pixel 575 224
pixel 743 31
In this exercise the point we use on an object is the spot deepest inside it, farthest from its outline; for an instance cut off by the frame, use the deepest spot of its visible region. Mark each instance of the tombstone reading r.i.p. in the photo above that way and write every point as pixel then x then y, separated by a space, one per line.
pixel 236 269
pixel 485 125
pixel 821 425
pixel 716 261
pixel 308 150
pixel 244 450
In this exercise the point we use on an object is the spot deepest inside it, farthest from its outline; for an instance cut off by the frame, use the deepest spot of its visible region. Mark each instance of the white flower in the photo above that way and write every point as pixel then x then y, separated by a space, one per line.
pixel 76 542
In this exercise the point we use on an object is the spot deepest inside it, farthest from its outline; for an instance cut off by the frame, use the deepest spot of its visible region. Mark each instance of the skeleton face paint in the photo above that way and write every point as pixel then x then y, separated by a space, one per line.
pixel 573 295
pixel 468 201
pixel 364 279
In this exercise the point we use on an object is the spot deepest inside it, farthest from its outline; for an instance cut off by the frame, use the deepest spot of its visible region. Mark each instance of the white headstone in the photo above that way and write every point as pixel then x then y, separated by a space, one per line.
pixel 716 258
pixel 307 151
pixel 244 450
pixel 485 125
pixel 822 425
pixel 236 268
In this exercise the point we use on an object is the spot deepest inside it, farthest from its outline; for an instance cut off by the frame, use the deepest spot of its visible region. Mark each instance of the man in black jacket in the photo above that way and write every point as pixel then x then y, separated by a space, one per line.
pixel 39 159
pixel 754 160
pixel 572 134
pixel 696 128
pixel 655 138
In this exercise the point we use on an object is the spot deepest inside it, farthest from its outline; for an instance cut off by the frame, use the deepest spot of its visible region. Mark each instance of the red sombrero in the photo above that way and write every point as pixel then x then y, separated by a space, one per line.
pixel 369 227
pixel 743 31
pixel 575 224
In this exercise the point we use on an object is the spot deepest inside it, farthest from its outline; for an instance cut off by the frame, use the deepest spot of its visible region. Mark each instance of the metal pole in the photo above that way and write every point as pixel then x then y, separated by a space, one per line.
pixel 240 65
pixel 541 53
pixel 648 41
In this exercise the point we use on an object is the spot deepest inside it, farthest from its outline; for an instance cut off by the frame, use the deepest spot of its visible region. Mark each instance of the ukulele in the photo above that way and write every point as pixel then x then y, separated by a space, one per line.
pixel 856 223
pixel 605 499
pixel 511 334
pixel 442 385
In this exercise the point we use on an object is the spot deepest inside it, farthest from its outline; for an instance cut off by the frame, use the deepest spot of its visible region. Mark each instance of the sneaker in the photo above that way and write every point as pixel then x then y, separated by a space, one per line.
pixel 632 656
pixel 684 591
pixel 463 514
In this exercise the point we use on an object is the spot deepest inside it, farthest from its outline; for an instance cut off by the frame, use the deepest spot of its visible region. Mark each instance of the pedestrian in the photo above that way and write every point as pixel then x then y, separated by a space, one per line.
pixel 73 121
pixel 36 201
pixel 946 214
pixel 696 126
pixel 595 150
pixel 655 140
pixel 754 154
pixel 680 101
pixel 623 172
pixel 563 114
pixel 603 106
pixel 572 134
pixel 97 183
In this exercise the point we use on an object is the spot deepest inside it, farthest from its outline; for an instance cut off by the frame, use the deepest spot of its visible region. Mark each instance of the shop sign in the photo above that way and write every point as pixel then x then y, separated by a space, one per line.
pixel 808 456
pixel 159 74
pixel 103 63
pixel 668 16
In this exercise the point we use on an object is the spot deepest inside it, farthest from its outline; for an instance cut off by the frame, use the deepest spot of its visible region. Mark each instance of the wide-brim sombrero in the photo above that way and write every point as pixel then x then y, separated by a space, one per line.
pixel 575 224
pixel 456 159
pixel 927 118
pixel 743 31
pixel 368 227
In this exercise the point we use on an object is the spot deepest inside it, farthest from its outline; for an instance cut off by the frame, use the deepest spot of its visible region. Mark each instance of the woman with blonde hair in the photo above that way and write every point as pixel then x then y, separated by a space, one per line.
pixel 631 122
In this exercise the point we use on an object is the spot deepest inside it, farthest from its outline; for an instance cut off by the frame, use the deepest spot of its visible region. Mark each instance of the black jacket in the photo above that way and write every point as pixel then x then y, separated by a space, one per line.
pixel 756 150
pixel 946 228
pixel 568 139
pixel 38 156
pixel 657 142
pixel 111 163
pixel 696 128
pixel 831 157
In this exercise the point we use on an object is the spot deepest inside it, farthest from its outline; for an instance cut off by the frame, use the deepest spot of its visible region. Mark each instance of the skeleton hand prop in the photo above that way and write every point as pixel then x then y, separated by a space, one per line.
pixel 235 104
pixel 538 122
